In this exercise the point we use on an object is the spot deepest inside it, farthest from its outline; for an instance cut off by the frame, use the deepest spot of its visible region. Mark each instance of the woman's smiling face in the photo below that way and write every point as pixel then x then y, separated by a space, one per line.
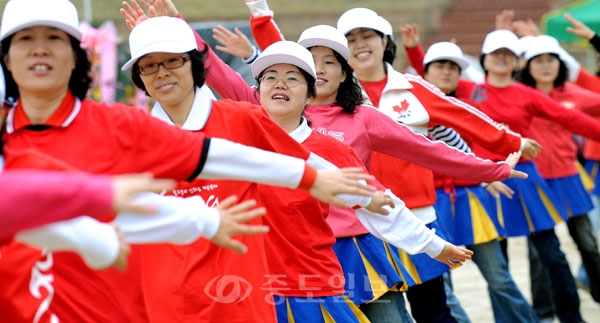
pixel 329 74
pixel 287 95
pixel 41 60
pixel 366 49
pixel 171 87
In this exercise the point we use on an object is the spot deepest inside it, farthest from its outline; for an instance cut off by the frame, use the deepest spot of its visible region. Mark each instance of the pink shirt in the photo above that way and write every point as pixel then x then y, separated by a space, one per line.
pixel 33 198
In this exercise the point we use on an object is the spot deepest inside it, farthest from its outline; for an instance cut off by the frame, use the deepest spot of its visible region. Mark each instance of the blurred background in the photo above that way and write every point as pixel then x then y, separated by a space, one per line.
pixel 465 21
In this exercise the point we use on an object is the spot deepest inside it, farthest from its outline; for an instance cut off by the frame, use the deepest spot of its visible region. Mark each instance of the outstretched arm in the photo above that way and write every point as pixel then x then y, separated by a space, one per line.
pixel 184 220
pixel 59 196
pixel 99 244
pixel 264 28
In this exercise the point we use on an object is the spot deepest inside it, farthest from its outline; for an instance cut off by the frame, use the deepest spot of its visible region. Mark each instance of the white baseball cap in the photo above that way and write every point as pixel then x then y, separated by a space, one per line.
pixel 21 14
pixel 160 35
pixel 542 44
pixel 445 51
pixel 364 18
pixel 284 52
pixel 501 38
pixel 325 35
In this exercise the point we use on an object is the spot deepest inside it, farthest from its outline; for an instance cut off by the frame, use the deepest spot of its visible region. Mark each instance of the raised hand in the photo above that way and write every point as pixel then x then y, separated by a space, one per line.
pixel 233 217
pixel 236 44
pixel 579 29
pixel 410 35
pixel 126 187
pixel 330 183
pixel 526 28
pixel 452 255
pixel 161 7
pixel 134 14
pixel 378 202
pixel 504 19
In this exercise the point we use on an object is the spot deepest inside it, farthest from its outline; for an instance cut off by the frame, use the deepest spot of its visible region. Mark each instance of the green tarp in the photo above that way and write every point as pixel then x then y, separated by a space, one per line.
pixel 554 24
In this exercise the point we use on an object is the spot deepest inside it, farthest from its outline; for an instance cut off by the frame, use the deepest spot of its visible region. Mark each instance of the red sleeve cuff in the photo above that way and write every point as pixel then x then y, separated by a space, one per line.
pixel 308 178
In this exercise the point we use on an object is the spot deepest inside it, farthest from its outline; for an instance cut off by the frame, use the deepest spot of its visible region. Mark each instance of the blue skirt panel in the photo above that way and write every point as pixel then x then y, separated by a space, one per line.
pixel 593 169
pixel 576 198
pixel 330 309
pixel 369 268
pixel 472 218
pixel 421 267
pixel 534 207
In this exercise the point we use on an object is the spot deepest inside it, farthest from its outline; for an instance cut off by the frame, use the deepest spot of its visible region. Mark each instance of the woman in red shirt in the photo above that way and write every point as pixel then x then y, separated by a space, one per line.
pixel 547 72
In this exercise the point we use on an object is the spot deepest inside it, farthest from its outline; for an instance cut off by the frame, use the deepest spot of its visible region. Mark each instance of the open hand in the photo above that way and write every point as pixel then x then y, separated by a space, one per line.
pixel 233 217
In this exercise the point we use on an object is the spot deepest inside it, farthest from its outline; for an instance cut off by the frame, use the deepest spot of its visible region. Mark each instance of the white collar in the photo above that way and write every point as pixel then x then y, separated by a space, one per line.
pixel 303 131
pixel 396 80
pixel 199 112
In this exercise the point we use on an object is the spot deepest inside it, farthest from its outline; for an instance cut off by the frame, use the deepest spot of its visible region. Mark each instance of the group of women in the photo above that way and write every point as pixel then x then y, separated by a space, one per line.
pixel 337 249
pixel 479 224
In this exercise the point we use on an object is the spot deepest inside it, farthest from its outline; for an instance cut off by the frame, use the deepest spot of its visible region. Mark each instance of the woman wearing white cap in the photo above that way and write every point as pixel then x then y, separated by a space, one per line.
pixel 372 52
pixel 535 217
pixel 47 73
pixel 466 209
pixel 546 71
pixel 286 83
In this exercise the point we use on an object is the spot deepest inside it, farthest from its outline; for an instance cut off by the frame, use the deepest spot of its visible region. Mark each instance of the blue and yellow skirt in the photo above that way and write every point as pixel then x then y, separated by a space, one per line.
pixel 421 267
pixel 593 169
pixel 469 215
pixel 571 191
pixel 369 268
pixel 534 207
pixel 328 309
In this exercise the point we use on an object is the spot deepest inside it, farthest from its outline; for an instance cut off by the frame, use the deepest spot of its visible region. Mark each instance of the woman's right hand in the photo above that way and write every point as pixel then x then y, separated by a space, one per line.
pixel 410 35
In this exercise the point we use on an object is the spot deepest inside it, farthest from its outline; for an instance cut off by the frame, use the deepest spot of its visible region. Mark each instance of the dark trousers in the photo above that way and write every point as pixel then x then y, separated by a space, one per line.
pixel 561 292
pixel 428 302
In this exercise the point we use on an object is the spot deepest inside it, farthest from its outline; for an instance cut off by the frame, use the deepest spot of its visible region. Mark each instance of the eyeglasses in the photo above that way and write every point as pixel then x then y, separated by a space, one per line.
pixel 170 64
pixel 289 80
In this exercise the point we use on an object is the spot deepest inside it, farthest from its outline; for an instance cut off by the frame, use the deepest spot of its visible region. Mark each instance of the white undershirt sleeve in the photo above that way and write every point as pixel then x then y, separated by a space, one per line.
pixel 319 162
pixel 402 229
pixel 259 8
pixel 178 220
pixel 229 160
pixel 96 242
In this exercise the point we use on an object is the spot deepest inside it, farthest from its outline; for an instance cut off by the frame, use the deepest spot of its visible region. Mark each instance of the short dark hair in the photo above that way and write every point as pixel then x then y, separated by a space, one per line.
pixel 80 80
pixel 442 61
pixel 561 78
pixel 198 71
